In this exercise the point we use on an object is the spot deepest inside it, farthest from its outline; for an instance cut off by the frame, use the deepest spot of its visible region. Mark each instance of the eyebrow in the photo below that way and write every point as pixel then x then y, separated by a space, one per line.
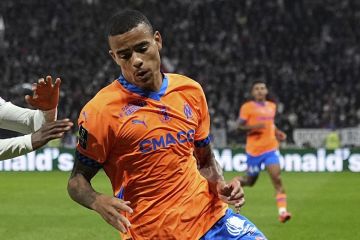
pixel 120 51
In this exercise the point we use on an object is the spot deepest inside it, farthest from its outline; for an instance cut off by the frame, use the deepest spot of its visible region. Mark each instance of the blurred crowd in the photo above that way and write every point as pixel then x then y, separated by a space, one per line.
pixel 306 50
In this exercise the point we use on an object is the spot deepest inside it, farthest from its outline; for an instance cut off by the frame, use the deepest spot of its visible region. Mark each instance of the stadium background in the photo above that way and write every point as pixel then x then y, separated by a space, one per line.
pixel 307 51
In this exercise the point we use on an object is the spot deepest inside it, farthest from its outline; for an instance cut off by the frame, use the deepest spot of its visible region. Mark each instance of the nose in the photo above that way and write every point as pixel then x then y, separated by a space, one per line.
pixel 137 60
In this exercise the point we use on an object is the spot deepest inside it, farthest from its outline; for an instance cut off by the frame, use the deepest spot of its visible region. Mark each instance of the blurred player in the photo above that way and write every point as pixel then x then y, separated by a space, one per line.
pixel 39 125
pixel 257 118
pixel 143 130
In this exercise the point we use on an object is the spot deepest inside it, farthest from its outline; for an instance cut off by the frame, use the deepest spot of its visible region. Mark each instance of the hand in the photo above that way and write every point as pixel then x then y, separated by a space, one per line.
pixel 50 131
pixel 45 94
pixel 280 135
pixel 258 126
pixel 109 207
pixel 231 193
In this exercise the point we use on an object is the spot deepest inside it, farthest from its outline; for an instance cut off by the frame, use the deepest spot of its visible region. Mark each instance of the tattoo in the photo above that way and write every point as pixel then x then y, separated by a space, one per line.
pixel 207 164
pixel 79 186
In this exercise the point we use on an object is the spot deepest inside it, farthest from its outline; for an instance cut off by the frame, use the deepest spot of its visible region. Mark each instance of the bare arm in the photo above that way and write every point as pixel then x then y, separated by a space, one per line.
pixel 280 135
pixel 245 127
pixel 81 191
pixel 208 166
pixel 210 169
pixel 79 186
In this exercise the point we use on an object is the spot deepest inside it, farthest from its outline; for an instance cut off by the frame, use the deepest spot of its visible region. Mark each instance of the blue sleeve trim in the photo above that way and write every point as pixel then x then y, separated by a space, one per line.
pixel 203 143
pixel 120 195
pixel 242 121
pixel 87 161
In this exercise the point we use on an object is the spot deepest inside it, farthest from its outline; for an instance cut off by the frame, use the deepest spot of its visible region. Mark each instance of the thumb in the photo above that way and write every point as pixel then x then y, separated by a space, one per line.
pixel 29 99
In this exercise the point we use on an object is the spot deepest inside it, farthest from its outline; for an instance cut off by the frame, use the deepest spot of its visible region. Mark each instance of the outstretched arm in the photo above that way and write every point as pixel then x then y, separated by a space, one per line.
pixel 246 127
pixel 81 191
pixel 17 146
pixel 210 169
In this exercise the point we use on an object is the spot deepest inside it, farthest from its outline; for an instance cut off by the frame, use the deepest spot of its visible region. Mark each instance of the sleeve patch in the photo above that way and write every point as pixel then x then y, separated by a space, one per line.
pixel 83 137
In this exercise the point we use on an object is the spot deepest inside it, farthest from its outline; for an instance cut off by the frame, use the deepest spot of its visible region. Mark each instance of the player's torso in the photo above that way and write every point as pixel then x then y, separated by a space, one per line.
pixel 263 139
pixel 152 158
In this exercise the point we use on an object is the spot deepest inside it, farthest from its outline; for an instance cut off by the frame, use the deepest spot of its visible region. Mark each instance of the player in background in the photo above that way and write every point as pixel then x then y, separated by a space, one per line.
pixel 143 130
pixel 257 119
pixel 40 126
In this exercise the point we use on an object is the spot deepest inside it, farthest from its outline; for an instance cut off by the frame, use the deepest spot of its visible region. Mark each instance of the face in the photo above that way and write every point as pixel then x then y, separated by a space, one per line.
pixel 259 92
pixel 137 52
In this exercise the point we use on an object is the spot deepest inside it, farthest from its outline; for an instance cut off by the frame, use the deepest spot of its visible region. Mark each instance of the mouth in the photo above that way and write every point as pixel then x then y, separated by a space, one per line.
pixel 142 75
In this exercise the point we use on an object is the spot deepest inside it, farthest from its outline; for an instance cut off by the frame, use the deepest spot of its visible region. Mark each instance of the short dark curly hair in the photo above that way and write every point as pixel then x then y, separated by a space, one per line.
pixel 125 20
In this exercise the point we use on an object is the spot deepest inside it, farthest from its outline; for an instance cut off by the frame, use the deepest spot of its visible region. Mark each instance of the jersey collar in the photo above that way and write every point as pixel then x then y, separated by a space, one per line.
pixel 260 104
pixel 142 92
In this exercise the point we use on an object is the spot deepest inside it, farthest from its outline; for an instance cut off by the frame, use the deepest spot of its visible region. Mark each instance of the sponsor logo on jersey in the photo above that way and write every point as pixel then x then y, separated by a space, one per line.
pixel 152 144
pixel 132 107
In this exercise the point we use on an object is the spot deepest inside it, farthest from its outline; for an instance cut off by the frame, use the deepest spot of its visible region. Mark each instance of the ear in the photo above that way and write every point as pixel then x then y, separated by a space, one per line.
pixel 158 39
pixel 112 55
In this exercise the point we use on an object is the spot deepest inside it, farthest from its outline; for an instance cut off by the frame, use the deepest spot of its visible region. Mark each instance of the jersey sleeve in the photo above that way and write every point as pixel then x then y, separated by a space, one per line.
pixel 203 128
pixel 14 147
pixel 244 113
pixel 95 136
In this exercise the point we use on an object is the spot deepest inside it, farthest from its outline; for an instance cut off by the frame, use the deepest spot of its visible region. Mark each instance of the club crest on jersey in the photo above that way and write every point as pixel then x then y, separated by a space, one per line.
pixel 132 107
pixel 187 111
pixel 164 115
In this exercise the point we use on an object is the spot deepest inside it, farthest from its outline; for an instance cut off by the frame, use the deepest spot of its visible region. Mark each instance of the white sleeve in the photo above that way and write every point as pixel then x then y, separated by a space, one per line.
pixel 13 147
pixel 23 120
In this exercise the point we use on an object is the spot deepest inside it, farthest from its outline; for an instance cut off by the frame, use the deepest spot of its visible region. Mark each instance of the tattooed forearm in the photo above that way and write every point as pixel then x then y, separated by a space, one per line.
pixel 79 187
pixel 208 166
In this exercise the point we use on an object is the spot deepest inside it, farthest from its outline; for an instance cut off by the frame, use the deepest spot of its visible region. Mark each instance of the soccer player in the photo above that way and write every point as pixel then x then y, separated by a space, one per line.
pixel 39 125
pixel 257 118
pixel 144 130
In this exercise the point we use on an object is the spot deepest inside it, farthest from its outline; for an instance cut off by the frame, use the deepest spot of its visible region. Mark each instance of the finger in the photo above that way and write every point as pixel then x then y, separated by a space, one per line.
pixel 41 81
pixel 122 206
pixel 57 83
pixel 58 130
pixel 225 188
pixel 235 188
pixel 237 196
pixel 34 86
pixel 124 221
pixel 49 80
pixel 223 198
pixel 115 222
pixel 240 203
pixel 120 221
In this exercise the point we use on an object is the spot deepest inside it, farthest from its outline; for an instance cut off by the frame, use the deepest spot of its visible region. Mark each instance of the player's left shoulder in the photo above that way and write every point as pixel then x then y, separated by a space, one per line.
pixel 271 104
pixel 178 80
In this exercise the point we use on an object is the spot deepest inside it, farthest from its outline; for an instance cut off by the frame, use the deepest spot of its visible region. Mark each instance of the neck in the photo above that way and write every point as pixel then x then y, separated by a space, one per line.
pixel 260 100
pixel 156 84
pixel 158 78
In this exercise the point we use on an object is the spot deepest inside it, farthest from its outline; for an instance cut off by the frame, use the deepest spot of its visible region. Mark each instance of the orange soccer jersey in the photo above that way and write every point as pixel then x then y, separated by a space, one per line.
pixel 145 142
pixel 261 140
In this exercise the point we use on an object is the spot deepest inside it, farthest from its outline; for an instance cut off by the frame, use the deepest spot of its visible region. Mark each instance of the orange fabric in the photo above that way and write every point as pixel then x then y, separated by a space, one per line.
pixel 281 200
pixel 263 140
pixel 147 146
